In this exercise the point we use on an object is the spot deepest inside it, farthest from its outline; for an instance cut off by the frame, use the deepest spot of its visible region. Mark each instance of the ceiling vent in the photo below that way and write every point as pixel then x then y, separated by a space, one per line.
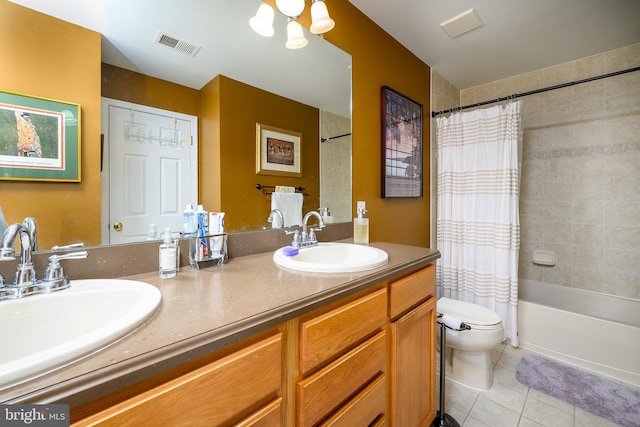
pixel 175 43
pixel 463 23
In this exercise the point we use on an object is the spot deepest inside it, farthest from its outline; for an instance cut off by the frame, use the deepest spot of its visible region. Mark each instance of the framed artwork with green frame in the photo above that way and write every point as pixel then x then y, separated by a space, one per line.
pixel 39 139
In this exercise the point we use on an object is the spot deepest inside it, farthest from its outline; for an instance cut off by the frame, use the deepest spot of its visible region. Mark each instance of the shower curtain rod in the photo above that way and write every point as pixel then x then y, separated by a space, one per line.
pixel 533 92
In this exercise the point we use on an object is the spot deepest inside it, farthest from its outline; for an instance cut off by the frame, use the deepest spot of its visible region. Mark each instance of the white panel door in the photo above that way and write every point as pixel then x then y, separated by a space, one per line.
pixel 152 170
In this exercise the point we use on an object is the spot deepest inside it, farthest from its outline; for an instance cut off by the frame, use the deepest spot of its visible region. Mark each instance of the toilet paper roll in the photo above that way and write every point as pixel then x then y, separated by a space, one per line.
pixel 452 323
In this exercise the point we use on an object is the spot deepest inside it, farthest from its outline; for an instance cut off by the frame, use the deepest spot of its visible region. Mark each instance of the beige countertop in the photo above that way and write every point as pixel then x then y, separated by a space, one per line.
pixel 204 310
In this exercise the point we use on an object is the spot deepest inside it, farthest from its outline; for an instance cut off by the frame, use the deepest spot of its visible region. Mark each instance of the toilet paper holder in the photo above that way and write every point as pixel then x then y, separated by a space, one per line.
pixel 442 418
pixel 452 323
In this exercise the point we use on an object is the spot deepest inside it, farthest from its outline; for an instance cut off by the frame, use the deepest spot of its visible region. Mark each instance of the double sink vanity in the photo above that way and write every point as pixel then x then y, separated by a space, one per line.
pixel 255 341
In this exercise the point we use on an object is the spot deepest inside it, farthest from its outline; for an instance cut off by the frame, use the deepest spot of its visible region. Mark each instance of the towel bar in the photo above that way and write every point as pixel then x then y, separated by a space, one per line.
pixel 264 188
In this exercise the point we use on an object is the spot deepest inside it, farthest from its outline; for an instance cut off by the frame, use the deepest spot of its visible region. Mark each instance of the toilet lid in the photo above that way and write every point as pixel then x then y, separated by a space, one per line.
pixel 471 314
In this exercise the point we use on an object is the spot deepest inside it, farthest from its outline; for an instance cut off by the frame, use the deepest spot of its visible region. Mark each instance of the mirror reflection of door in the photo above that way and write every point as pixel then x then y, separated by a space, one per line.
pixel 149 170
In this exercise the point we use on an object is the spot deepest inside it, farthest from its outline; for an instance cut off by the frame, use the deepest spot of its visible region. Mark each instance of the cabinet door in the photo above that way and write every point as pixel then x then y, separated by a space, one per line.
pixel 412 367
pixel 211 395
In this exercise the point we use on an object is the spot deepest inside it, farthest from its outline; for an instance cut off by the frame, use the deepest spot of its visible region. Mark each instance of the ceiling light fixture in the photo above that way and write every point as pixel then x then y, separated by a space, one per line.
pixel 321 22
pixel 291 8
pixel 262 23
pixel 295 35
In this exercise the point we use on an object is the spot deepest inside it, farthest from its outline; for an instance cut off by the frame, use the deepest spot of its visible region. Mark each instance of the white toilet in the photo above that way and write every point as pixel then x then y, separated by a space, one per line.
pixel 468 353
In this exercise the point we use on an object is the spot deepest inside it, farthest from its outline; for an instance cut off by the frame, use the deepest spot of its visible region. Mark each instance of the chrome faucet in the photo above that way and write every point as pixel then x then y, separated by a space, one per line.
pixel 8 241
pixel 31 226
pixel 26 273
pixel 25 278
pixel 279 213
pixel 308 236
pixel 25 282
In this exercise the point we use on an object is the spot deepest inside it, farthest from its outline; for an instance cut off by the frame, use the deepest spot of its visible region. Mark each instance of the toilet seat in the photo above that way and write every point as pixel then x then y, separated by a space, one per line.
pixel 474 315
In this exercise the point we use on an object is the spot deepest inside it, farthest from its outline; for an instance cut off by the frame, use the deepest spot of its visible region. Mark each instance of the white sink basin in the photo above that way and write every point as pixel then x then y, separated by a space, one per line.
pixel 333 258
pixel 46 331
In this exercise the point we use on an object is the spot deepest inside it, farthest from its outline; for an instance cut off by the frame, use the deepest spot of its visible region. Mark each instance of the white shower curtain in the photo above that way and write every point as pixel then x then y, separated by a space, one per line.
pixel 478 226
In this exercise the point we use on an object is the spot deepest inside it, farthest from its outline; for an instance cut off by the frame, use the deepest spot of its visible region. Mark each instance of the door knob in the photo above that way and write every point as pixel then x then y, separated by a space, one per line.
pixel 117 226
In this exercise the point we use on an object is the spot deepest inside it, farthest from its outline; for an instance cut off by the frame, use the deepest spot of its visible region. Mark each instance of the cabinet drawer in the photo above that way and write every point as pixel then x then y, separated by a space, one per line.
pixel 364 408
pixel 210 395
pixel 328 388
pixel 410 290
pixel 329 334
pixel 268 416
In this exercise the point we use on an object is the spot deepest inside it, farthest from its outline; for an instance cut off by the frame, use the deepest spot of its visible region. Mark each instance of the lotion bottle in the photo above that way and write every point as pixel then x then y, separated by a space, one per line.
pixel 361 225
pixel 168 256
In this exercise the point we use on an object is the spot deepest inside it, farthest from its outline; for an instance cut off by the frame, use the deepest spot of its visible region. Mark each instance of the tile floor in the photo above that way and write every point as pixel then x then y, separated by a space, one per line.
pixel 511 404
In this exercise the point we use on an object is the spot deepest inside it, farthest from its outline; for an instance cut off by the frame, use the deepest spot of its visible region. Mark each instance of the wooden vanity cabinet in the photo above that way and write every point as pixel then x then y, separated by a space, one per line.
pixel 242 388
pixel 367 359
pixel 412 335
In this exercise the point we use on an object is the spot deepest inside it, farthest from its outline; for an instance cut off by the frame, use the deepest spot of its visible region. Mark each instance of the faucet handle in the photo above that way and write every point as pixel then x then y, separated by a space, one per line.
pixel 70 255
pixel 295 242
pixel 54 276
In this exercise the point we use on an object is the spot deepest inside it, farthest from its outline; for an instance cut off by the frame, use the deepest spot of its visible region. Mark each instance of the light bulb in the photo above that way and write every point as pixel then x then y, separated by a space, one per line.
pixel 262 23
pixel 295 36
pixel 292 8
pixel 320 20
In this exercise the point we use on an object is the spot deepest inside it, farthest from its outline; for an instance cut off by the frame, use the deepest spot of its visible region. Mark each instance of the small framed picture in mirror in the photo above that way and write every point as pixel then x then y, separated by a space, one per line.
pixel 278 151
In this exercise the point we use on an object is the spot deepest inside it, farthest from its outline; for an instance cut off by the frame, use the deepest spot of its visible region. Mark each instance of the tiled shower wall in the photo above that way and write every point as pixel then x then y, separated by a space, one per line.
pixel 335 166
pixel 580 189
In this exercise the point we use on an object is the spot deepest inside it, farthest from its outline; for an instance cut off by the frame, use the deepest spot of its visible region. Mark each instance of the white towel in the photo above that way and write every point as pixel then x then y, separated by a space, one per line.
pixel 285 189
pixel 290 204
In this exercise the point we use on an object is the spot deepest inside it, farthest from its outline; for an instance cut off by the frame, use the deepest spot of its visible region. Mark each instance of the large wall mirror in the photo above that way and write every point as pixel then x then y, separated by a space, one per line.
pixel 317 75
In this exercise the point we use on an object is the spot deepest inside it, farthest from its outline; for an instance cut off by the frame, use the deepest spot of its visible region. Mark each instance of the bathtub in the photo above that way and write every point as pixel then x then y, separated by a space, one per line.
pixel 597 332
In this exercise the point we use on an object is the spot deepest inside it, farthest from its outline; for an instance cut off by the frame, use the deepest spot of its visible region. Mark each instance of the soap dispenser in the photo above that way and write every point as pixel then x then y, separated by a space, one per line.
pixel 326 215
pixel 361 225
pixel 168 256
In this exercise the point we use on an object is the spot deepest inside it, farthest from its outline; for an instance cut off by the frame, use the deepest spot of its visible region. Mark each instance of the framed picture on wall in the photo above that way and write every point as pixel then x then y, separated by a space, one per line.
pixel 278 151
pixel 401 145
pixel 39 139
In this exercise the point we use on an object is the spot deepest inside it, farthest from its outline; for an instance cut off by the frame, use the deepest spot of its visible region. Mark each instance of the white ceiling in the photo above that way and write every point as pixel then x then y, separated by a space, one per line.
pixel 318 75
pixel 518 36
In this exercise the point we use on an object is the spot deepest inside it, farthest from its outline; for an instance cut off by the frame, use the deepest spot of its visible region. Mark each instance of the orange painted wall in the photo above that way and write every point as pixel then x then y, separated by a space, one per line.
pixel 45 57
pixel 379 60
pixel 230 111
pixel 129 86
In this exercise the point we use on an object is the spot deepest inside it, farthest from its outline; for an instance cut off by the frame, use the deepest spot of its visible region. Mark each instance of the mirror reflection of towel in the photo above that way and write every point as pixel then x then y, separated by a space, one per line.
pixel 285 189
pixel 290 204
